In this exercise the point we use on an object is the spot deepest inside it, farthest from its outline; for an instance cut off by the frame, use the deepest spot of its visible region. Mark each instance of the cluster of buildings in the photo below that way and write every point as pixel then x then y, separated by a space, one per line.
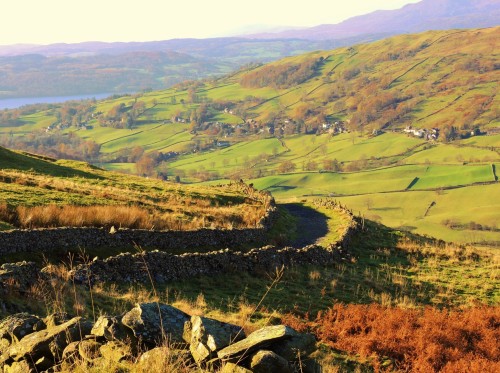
pixel 422 133
pixel 334 128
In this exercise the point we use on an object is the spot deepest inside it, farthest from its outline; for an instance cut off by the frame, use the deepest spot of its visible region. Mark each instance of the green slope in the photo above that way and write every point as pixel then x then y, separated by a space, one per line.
pixel 443 79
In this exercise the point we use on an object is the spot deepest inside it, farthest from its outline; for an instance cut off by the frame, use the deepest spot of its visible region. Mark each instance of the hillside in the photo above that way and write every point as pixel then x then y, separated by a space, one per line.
pixel 327 123
pixel 97 68
pixel 39 192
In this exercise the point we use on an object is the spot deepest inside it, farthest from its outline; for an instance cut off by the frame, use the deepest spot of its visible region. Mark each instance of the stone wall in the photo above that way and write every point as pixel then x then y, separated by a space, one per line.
pixel 165 267
pixel 45 240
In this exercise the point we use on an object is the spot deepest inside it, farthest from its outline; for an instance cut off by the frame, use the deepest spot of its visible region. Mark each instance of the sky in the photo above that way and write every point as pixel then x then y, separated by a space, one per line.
pixel 72 21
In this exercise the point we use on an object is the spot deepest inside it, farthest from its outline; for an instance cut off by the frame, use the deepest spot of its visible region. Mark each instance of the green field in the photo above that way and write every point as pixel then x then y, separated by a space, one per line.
pixel 450 154
pixel 427 212
pixel 425 81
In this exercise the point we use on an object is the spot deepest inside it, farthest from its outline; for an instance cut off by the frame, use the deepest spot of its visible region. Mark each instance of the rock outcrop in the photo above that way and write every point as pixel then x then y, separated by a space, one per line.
pixel 153 323
pixel 47 345
pixel 206 336
pixel 162 334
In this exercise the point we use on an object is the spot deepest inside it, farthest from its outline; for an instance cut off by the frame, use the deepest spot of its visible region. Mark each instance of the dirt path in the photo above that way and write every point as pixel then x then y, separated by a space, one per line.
pixel 311 224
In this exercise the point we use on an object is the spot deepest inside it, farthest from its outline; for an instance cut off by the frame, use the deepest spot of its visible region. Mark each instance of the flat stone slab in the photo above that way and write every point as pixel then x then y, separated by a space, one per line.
pixel 257 340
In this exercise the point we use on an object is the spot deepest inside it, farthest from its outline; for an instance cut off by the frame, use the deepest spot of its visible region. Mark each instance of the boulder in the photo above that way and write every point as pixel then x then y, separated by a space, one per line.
pixel 207 336
pixel 269 362
pixel 299 345
pixel 111 328
pixel 49 343
pixel 233 368
pixel 115 351
pixel 17 326
pixel 155 323
pixel 257 340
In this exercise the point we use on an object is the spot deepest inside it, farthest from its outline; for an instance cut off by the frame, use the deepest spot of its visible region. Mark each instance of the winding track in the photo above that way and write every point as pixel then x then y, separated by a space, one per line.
pixel 311 224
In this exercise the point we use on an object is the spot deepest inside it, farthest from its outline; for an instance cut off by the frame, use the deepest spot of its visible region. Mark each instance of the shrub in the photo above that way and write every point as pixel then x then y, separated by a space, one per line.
pixel 417 340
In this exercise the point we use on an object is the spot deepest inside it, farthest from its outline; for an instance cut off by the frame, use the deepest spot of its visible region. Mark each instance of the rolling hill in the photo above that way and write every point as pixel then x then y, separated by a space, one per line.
pixel 98 67
pixel 38 192
pixel 328 123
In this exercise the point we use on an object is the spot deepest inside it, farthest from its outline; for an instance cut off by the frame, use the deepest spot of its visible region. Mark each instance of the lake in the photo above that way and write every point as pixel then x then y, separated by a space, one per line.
pixel 13 103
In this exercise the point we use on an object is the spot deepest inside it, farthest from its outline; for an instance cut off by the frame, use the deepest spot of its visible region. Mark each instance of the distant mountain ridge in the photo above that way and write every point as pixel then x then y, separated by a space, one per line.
pixel 97 67
pixel 422 16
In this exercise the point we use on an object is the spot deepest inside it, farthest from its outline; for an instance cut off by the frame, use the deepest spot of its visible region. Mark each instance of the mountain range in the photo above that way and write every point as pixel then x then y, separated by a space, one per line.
pixel 422 16
pixel 97 67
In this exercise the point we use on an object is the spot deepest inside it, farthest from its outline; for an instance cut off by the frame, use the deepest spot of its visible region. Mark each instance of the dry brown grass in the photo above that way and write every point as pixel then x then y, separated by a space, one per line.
pixel 124 201
pixel 84 216
pixel 133 217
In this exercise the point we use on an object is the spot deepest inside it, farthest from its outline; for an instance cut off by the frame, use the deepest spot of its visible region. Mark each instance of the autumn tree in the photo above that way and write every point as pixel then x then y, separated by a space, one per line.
pixel 311 165
pixel 331 165
pixel 145 165
pixel 286 166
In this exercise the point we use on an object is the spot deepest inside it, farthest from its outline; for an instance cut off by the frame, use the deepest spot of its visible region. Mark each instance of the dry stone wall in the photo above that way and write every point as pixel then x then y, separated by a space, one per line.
pixel 45 240
pixel 165 267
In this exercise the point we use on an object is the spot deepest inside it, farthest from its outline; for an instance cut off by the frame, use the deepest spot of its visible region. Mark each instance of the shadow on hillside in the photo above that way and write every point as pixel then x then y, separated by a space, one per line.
pixel 24 161
pixel 311 224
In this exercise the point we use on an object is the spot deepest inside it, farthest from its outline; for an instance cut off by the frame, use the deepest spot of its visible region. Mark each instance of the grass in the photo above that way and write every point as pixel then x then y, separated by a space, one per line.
pixel 445 176
pixel 483 141
pixel 449 154
pixel 387 267
pixel 407 210
pixel 48 166
pixel 385 180
pixel 52 190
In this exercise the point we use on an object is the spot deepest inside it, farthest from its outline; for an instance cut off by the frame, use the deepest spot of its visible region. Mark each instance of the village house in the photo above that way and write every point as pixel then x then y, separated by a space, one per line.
pixel 426 134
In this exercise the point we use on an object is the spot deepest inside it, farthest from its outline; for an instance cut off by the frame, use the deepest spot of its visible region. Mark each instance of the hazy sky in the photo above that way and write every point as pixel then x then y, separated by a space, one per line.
pixel 51 21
